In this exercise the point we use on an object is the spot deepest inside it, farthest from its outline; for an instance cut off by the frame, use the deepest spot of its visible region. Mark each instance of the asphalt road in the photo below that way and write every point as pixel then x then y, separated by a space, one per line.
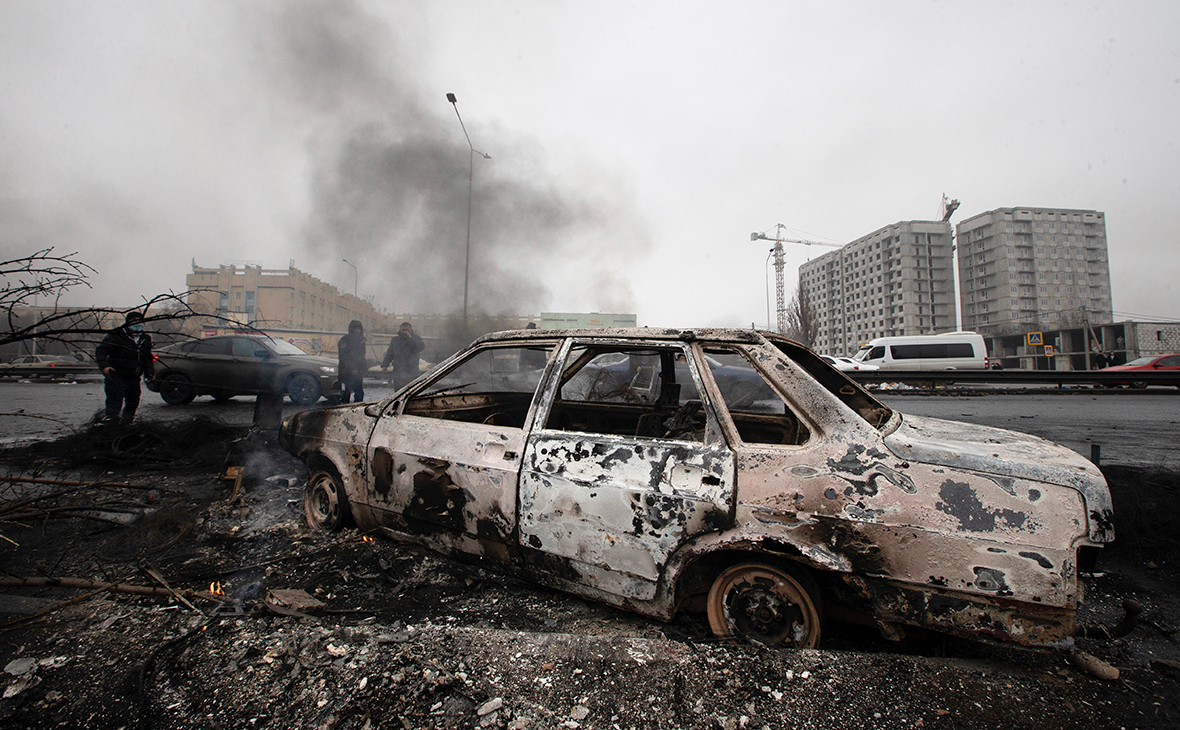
pixel 1134 428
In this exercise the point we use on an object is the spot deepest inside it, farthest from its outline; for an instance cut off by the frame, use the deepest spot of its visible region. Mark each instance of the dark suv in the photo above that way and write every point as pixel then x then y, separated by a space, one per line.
pixel 230 365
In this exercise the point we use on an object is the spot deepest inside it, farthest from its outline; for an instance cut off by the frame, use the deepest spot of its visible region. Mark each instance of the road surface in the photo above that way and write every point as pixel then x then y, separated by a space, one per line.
pixel 1134 428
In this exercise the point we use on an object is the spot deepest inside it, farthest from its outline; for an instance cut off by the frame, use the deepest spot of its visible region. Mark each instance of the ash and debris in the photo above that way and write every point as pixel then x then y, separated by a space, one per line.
pixel 352 631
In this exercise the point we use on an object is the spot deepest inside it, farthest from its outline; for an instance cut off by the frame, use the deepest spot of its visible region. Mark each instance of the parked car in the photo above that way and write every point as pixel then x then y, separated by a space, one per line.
pixel 229 365
pixel 48 360
pixel 847 363
pixel 668 491
pixel 38 365
pixel 1152 363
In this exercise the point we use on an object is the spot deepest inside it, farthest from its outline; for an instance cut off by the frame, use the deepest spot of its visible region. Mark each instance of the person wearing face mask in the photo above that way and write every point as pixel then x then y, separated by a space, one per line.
pixel 124 355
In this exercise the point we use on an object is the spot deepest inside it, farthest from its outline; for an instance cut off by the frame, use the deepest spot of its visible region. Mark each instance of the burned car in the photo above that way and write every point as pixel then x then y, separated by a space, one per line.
pixel 729 471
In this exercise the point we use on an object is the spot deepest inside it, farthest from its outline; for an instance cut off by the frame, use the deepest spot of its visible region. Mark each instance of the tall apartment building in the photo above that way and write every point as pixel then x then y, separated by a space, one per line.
pixel 1027 269
pixel 897 280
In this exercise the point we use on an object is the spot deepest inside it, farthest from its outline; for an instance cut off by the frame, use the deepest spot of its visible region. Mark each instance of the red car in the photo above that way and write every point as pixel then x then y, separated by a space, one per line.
pixel 1151 362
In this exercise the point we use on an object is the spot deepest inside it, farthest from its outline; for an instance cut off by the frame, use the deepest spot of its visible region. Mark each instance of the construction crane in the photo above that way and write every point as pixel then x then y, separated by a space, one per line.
pixel 779 265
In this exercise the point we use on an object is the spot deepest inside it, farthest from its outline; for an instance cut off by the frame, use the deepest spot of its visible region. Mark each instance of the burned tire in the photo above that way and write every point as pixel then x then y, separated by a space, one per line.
pixel 773 605
pixel 177 389
pixel 304 389
pixel 324 503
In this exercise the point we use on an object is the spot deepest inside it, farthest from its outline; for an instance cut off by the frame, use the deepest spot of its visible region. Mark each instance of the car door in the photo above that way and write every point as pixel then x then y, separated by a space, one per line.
pixel 207 362
pixel 617 477
pixel 254 365
pixel 445 460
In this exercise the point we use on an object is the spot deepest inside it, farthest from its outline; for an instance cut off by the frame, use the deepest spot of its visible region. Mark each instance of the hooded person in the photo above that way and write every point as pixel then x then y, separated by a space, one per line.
pixel 124 356
pixel 350 351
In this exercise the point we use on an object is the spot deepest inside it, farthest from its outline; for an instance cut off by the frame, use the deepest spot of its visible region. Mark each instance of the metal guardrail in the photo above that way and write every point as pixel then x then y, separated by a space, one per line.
pixel 1020 377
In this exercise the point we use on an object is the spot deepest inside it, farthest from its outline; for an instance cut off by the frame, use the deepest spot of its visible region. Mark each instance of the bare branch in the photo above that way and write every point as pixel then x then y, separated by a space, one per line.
pixel 46 274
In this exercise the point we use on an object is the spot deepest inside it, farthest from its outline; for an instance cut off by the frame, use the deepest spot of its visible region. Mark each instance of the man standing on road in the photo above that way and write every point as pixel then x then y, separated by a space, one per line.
pixel 351 362
pixel 403 353
pixel 124 355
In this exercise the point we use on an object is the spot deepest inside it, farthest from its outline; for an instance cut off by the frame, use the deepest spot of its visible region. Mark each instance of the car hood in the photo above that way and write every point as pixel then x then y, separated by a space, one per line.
pixel 1002 453
pixel 310 360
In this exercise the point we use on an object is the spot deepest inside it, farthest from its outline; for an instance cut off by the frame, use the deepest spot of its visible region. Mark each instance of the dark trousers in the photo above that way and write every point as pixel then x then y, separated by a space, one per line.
pixel 401 377
pixel 354 384
pixel 122 393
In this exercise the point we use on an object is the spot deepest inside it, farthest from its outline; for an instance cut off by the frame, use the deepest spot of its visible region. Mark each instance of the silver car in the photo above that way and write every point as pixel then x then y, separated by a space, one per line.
pixel 640 468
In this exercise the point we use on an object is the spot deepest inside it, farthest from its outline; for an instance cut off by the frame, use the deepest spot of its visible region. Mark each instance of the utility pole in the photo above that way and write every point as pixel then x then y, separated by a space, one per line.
pixel 779 264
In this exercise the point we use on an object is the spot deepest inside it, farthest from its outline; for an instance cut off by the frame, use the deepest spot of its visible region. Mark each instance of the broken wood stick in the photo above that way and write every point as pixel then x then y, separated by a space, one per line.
pixel 84 584
pixel 147 568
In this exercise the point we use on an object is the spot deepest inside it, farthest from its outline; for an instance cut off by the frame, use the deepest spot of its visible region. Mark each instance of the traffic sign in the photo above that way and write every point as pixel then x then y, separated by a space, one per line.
pixel 1035 338
pixel 1048 351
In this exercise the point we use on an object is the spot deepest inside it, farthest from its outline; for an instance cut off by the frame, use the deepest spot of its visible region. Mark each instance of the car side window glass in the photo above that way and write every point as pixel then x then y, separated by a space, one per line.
pixel 209 346
pixel 244 347
pixel 628 391
pixel 759 413
pixel 494 386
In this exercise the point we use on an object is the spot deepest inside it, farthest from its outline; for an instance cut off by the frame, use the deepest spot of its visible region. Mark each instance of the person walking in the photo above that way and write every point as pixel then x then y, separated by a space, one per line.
pixel 403 355
pixel 123 356
pixel 351 363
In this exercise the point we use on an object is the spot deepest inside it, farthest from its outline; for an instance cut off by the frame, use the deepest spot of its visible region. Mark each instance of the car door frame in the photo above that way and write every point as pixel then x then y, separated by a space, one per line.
pixel 448 484
pixel 597 516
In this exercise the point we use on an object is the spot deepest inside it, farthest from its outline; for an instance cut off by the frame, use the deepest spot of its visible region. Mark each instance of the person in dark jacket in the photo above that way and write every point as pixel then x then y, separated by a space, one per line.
pixel 403 354
pixel 351 364
pixel 123 356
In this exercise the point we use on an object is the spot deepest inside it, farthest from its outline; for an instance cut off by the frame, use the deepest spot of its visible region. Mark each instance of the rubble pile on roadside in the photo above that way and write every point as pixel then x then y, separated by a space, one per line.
pixel 256 621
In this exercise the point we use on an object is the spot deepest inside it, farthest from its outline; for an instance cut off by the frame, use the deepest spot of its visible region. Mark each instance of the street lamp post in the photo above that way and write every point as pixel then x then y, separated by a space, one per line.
pixel 353 275
pixel 470 179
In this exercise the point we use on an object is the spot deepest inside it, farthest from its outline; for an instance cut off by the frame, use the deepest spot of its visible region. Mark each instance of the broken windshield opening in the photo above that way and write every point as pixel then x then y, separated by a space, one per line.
pixel 848 391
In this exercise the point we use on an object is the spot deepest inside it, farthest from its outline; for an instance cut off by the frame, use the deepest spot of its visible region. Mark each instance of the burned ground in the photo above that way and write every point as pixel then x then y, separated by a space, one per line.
pixel 407 639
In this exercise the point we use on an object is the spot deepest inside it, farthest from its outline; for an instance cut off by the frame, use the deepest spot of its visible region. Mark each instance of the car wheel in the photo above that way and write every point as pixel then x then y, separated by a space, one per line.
pixel 324 504
pixel 303 389
pixel 177 389
pixel 773 605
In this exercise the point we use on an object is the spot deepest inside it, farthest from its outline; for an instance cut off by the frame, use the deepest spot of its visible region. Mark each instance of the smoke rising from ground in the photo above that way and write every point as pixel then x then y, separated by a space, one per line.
pixel 389 183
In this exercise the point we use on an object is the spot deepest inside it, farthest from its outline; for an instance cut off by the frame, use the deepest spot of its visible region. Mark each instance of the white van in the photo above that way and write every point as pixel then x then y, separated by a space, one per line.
pixel 949 351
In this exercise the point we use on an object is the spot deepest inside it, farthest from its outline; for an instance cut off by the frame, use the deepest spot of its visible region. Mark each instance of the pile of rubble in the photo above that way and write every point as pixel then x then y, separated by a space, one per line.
pixel 248 619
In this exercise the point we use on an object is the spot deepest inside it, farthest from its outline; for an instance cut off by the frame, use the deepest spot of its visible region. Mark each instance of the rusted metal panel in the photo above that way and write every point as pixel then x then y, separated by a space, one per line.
pixel 620 504
pixel 448 480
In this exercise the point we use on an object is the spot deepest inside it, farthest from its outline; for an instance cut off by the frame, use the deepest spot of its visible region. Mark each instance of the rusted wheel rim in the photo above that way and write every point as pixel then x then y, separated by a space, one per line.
pixel 322 503
pixel 765 604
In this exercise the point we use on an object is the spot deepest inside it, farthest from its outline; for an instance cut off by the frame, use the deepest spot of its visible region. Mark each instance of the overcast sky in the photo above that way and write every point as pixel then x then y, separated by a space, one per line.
pixel 634 146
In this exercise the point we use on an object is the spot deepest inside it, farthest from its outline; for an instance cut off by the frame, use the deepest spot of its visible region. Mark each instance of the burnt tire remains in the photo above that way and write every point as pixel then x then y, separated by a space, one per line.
pixel 324 504
pixel 773 605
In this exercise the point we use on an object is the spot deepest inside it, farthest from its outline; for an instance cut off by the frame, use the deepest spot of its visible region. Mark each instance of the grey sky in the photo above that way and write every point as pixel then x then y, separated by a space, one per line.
pixel 634 146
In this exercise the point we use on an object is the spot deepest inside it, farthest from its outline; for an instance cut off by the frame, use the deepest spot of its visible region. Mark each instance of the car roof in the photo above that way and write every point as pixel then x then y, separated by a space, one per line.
pixel 638 333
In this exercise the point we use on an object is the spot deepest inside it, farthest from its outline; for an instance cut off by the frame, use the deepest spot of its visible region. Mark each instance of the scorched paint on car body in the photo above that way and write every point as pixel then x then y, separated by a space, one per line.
pixel 661 469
